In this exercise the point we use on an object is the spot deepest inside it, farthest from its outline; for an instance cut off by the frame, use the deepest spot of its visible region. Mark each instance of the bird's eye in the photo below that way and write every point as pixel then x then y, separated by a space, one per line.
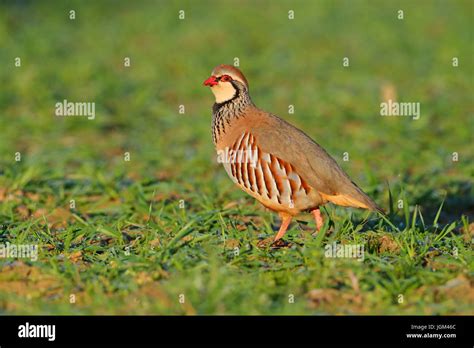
pixel 226 78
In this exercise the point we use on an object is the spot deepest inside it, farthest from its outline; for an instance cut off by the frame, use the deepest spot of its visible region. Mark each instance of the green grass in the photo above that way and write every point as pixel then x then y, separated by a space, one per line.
pixel 168 222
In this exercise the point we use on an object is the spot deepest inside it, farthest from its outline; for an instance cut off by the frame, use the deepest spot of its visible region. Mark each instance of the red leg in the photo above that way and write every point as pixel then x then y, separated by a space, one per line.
pixel 286 219
pixel 318 218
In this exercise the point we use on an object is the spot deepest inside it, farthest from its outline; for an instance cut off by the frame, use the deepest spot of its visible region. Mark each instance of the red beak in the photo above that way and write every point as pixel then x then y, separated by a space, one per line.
pixel 211 81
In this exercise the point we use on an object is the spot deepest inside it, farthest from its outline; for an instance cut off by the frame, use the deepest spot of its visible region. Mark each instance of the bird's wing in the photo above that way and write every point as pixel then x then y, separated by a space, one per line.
pixel 310 160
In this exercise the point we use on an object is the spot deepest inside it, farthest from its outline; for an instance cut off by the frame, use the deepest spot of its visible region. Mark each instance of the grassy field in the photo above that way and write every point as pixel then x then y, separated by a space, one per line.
pixel 167 232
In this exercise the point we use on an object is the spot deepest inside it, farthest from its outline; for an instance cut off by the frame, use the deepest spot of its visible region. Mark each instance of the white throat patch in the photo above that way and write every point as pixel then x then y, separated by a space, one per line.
pixel 223 92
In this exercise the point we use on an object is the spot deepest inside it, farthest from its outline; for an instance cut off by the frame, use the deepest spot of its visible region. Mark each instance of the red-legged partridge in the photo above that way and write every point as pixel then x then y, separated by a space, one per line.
pixel 271 160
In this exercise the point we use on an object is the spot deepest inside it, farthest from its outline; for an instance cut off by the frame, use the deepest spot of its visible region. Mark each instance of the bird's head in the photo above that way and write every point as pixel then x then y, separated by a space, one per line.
pixel 226 82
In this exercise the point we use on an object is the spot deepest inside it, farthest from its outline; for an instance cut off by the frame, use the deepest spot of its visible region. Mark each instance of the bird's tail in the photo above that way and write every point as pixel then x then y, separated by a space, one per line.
pixel 365 201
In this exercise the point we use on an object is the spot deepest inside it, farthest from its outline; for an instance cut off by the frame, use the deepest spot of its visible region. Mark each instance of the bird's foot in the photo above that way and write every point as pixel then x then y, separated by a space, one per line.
pixel 272 243
pixel 280 243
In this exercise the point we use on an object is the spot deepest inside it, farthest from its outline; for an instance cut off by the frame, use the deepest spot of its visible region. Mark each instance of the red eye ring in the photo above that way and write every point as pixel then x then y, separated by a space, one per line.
pixel 225 78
